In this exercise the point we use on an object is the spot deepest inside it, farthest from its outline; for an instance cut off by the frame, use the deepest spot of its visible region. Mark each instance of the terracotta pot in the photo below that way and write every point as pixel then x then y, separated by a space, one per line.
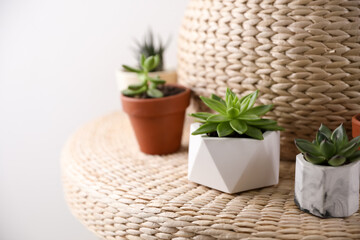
pixel 356 125
pixel 158 122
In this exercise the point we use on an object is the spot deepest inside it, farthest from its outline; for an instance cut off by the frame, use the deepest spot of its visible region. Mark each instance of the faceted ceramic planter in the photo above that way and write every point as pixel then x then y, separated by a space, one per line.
pixel 234 164
pixel 326 191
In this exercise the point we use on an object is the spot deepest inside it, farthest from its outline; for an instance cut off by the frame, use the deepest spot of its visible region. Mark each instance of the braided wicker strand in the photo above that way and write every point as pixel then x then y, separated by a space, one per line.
pixel 120 193
pixel 303 56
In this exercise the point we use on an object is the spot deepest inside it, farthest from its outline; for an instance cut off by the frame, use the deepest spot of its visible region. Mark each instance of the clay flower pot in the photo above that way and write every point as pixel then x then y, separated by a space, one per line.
pixel 158 122
pixel 326 191
pixel 356 125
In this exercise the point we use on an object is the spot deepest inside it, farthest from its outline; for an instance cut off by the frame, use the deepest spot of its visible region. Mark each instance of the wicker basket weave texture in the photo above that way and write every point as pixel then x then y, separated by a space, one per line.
pixel 120 193
pixel 302 55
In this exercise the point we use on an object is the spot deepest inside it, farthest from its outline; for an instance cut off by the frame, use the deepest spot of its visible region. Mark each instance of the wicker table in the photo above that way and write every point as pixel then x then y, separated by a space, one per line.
pixel 120 193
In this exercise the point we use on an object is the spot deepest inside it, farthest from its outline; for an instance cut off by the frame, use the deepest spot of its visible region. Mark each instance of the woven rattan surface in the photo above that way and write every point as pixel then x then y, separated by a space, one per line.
pixel 302 55
pixel 120 193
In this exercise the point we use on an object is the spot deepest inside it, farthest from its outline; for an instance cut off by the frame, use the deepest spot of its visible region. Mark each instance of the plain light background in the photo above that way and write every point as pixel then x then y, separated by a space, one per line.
pixel 57 72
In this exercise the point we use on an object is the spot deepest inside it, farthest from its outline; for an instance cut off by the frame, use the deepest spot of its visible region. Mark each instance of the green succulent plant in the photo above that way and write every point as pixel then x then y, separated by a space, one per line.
pixel 148 48
pixel 330 148
pixel 236 116
pixel 147 85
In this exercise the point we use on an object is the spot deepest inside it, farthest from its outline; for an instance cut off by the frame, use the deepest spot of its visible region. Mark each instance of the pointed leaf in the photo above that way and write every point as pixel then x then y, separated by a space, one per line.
pixel 320 137
pixel 327 148
pixel 348 149
pixel 337 161
pixel 217 118
pixel 305 146
pixel 246 116
pixel 154 93
pixel 260 110
pixel 271 127
pixel 206 128
pixel 238 126
pixel 253 97
pixel 130 69
pixel 314 159
pixel 339 136
pixel 217 98
pixel 201 115
pixel 325 130
pixel 254 133
pixel 260 122
pixel 229 98
pixel 224 129
pixel 214 105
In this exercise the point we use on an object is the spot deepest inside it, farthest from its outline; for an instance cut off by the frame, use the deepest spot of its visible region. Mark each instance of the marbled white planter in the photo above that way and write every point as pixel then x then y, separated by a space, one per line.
pixel 234 164
pixel 326 191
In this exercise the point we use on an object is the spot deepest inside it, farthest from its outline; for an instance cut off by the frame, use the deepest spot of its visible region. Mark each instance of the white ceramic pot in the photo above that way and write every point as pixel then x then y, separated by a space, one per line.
pixel 124 79
pixel 326 191
pixel 234 164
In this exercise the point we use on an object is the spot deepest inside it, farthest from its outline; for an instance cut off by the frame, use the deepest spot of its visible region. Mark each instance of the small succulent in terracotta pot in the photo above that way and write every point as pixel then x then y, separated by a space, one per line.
pixel 156 109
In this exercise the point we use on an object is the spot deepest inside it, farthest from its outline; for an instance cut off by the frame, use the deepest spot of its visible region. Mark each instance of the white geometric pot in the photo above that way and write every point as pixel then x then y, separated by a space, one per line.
pixel 234 164
pixel 326 191
pixel 124 79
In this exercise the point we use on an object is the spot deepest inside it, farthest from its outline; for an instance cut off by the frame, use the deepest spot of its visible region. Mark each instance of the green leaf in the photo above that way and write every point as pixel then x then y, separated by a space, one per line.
pixel 201 115
pixel 325 130
pixel 355 156
pixel 156 62
pixel 246 116
pixel 260 110
pixel 157 80
pixel 320 137
pixel 129 92
pixel 217 118
pixel 348 149
pixel 154 93
pixel 260 122
pixel 214 104
pixel 314 159
pixel 339 136
pixel 305 146
pixel 130 69
pixel 148 63
pixel 271 127
pixel 142 76
pixel 224 129
pixel 205 128
pixel 327 148
pixel 137 86
pixel 233 112
pixel 254 133
pixel 142 60
pixel 229 98
pixel 238 126
pixel 217 98
pixel 253 97
pixel 337 160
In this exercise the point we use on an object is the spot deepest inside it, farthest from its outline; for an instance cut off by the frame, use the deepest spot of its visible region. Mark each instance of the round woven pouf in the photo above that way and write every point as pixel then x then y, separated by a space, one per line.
pixel 119 193
pixel 303 56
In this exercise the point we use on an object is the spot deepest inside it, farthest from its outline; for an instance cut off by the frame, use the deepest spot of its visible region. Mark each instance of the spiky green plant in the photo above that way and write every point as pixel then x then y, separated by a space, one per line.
pixel 235 116
pixel 148 48
pixel 330 148
pixel 148 84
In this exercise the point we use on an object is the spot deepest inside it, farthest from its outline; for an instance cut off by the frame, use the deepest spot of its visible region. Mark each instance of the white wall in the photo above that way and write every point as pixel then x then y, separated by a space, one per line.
pixel 57 64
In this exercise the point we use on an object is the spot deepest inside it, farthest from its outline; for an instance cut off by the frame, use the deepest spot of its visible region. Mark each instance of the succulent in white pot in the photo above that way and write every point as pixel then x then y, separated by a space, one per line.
pixel 327 174
pixel 127 75
pixel 236 149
